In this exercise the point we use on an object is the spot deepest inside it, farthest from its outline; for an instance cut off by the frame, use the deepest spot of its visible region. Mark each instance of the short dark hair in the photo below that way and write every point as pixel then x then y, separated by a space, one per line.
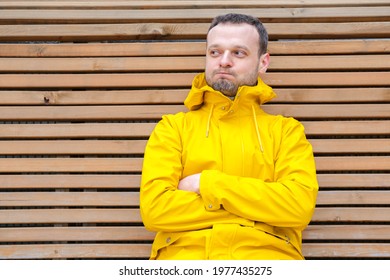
pixel 241 18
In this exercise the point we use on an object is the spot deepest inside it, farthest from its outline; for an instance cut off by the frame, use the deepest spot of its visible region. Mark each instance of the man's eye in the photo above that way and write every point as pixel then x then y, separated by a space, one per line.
pixel 214 52
pixel 240 53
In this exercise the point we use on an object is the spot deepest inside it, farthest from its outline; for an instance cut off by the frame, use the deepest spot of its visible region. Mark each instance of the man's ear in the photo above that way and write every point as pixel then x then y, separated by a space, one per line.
pixel 264 63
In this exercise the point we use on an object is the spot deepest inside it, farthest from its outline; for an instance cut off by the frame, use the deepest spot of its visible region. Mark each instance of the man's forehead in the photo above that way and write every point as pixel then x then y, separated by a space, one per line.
pixel 234 32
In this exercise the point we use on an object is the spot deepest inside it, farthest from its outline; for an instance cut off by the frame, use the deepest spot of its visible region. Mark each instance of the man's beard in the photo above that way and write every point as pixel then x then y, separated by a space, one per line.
pixel 227 87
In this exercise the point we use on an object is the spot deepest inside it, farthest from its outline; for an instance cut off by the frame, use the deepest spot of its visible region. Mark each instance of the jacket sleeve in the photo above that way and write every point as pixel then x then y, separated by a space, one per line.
pixel 164 207
pixel 288 201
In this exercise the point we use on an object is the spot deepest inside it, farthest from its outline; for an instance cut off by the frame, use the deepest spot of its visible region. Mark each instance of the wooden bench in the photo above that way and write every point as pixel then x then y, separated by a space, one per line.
pixel 83 83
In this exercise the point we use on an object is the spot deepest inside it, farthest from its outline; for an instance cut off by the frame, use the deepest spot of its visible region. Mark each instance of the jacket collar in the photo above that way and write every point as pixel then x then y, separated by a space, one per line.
pixel 202 93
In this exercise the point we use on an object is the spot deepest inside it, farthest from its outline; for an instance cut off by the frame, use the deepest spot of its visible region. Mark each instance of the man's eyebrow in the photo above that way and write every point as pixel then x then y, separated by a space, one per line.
pixel 234 47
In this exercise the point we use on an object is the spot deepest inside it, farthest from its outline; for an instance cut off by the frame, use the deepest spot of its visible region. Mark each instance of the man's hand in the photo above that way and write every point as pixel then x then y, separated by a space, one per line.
pixel 190 183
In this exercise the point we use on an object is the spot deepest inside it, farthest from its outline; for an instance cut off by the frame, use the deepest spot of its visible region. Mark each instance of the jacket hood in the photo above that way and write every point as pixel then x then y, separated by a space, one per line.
pixel 261 92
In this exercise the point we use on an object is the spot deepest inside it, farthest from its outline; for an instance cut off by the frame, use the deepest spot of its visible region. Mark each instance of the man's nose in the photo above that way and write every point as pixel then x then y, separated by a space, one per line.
pixel 226 59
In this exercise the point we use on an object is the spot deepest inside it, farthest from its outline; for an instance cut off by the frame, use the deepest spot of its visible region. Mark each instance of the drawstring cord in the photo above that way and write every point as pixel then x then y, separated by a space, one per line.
pixel 257 129
pixel 209 121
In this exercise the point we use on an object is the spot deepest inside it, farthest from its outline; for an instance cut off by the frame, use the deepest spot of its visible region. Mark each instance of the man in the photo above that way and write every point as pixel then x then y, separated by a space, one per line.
pixel 227 180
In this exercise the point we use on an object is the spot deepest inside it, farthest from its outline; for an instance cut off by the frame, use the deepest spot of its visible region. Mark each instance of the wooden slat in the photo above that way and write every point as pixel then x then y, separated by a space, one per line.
pixel 329 46
pixel 84 181
pixel 346 232
pixel 353 163
pixel 147 112
pixel 142 251
pixel 139 80
pixel 77 251
pixel 131 130
pixel 77 130
pixel 167 64
pixel 88 113
pixel 60 199
pixel 350 146
pixel 18 165
pixel 117 64
pixel 353 197
pixel 177 96
pixel 347 250
pixel 350 181
pixel 139 251
pixel 88 181
pixel 136 80
pixel 349 111
pixel 347 127
pixel 113 147
pixel 55 216
pixel 61 147
pixel 98 32
pixel 47 234
pixel 331 95
pixel 129 199
pixel 70 4
pixel 352 214
pixel 122 97
pixel 42 234
pixel 323 14
pixel 197 48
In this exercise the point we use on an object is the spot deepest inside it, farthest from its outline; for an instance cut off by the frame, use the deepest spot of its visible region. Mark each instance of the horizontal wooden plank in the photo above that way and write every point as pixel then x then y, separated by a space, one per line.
pixel 56 216
pixel 96 113
pixel 70 165
pixel 55 234
pixel 177 96
pixel 347 181
pixel 353 197
pixel 68 147
pixel 350 146
pixel 130 199
pixel 188 63
pixel 134 130
pixel 102 97
pixel 195 48
pixel 135 80
pixel 76 251
pixel 331 95
pixel 19 165
pixel 120 181
pixel 352 214
pixel 155 112
pixel 74 181
pixel 333 46
pixel 66 4
pixel 332 111
pixel 353 163
pixel 142 251
pixel 346 250
pixel 125 147
pixel 357 128
pixel 149 80
pixel 197 14
pixel 99 32
pixel 346 232
pixel 64 199
pixel 80 130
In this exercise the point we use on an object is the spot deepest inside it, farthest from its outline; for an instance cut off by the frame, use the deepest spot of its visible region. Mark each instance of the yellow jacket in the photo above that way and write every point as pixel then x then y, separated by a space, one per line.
pixel 257 170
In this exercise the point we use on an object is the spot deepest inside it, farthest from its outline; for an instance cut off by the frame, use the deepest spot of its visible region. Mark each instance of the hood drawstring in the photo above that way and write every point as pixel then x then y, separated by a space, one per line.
pixel 257 129
pixel 209 121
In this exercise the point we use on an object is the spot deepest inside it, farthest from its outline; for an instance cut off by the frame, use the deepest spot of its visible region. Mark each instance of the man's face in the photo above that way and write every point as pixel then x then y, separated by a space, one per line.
pixel 232 57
